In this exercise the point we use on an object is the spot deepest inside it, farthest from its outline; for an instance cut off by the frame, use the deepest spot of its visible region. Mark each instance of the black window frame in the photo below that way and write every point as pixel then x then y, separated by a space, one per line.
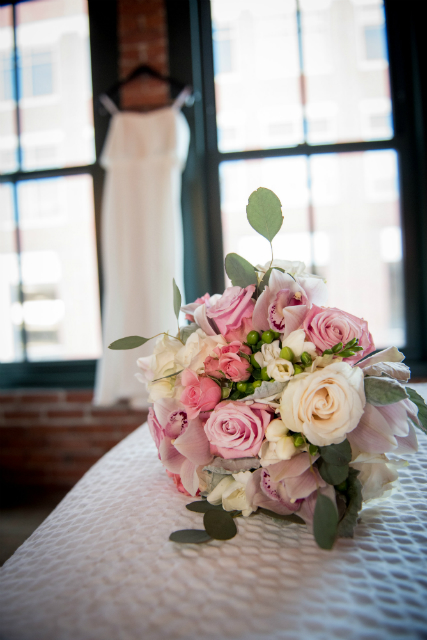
pixel 104 68
pixel 191 61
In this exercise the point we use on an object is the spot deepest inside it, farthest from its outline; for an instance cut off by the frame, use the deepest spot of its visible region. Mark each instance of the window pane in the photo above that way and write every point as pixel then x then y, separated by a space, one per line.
pixel 55 83
pixel 287 177
pixel 8 138
pixel 11 349
pixel 356 209
pixel 256 74
pixel 59 269
pixel 356 241
pixel 346 70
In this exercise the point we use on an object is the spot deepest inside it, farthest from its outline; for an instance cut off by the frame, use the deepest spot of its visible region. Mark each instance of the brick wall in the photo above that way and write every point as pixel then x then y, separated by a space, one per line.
pixel 53 437
pixel 143 40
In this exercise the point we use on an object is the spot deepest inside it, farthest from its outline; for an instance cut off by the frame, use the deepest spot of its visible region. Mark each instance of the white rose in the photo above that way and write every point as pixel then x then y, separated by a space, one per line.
pixel 161 389
pixel 197 348
pixel 162 362
pixel 231 491
pixel 376 476
pixel 280 370
pixel 324 405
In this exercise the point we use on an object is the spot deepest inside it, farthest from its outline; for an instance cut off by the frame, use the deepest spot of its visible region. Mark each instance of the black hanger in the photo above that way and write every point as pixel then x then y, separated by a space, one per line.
pixel 107 100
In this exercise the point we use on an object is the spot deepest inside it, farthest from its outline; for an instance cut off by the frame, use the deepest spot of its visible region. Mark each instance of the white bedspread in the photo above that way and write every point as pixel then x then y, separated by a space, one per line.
pixel 101 566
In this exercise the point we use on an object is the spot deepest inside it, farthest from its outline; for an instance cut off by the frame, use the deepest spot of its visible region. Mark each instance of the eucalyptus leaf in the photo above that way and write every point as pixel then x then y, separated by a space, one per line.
pixel 219 525
pixel 186 332
pixel 382 391
pixel 292 517
pixel 201 506
pixel 422 409
pixel 177 300
pixel 325 522
pixel 131 342
pixel 337 454
pixel 264 212
pixel 171 375
pixel 240 271
pixel 190 536
pixel 265 280
pixel 332 473
pixel 354 504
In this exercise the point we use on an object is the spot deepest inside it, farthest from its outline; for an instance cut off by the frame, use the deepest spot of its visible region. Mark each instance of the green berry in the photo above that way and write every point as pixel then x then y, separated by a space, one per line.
pixel 252 337
pixel 241 386
pixel 287 354
pixel 298 441
pixel 276 335
pixel 225 392
pixel 298 369
pixel 257 383
pixel 268 337
pixel 306 358
pixel 264 374
pixel 235 395
pixel 337 347
pixel 254 363
pixel 312 449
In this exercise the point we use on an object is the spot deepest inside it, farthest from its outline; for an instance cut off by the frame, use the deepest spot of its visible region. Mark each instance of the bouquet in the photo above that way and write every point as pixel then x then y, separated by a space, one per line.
pixel 270 402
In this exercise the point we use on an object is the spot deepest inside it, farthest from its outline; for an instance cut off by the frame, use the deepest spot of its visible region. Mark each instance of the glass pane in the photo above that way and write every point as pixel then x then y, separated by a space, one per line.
pixel 55 83
pixel 257 79
pixel 287 177
pixel 8 137
pixel 10 316
pixel 356 212
pixel 346 70
pixel 59 268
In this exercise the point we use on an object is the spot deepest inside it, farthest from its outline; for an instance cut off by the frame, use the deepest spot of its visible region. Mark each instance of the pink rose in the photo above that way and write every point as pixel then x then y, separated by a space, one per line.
pixel 327 327
pixel 228 362
pixel 200 393
pixel 232 309
pixel 236 430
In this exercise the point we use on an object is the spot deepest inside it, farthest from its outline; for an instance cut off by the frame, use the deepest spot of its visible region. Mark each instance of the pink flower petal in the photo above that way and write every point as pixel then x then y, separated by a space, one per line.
pixel 396 417
pixel 170 457
pixel 294 317
pixel 291 468
pixel 409 444
pixel 189 477
pixel 315 289
pixel 193 444
pixel 260 315
pixel 372 434
pixel 257 498
pixel 301 486
pixel 306 511
pixel 201 319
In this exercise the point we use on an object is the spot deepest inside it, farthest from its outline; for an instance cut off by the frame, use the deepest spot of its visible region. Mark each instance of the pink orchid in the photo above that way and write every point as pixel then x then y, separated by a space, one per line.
pixel 194 305
pixel 184 445
pixel 200 393
pixel 284 303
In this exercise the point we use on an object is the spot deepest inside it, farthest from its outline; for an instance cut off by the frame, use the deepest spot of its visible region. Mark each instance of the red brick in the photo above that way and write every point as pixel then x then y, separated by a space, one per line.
pixel 17 415
pixel 66 413
pixel 35 398
pixel 9 398
pixel 80 396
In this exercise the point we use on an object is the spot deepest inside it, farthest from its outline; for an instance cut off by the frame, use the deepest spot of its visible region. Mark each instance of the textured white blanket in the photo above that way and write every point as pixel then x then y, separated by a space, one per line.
pixel 101 566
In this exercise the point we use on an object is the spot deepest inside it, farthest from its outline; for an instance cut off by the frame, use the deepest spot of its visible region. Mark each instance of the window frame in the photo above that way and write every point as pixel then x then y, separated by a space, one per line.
pixel 191 60
pixel 104 69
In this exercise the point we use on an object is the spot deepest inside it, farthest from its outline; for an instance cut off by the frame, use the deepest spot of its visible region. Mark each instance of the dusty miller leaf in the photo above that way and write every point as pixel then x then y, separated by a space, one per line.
pixel 337 454
pixel 190 536
pixel 354 504
pixel 219 525
pixel 266 390
pixel 176 299
pixel 131 342
pixel 422 408
pixel 325 522
pixel 264 212
pixel 239 270
pixel 382 391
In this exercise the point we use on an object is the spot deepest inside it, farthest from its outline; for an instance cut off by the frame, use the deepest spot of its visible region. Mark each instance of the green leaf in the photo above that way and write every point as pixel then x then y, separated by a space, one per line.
pixel 201 506
pixel 382 391
pixel 264 212
pixel 337 454
pixel 219 525
pixel 176 299
pixel 239 270
pixel 187 331
pixel 131 342
pixel 264 281
pixel 190 536
pixel 292 517
pixel 422 409
pixel 332 473
pixel 354 504
pixel 171 375
pixel 325 522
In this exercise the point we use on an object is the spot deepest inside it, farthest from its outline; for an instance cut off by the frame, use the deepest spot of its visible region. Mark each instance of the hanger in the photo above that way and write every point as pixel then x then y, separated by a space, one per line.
pixel 184 97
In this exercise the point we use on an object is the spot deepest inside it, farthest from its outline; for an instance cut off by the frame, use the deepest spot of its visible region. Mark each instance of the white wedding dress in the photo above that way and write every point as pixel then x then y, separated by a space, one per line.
pixel 142 244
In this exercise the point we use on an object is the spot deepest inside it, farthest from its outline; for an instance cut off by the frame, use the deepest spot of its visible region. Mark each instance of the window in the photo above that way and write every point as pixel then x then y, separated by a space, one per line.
pixel 312 110
pixel 49 288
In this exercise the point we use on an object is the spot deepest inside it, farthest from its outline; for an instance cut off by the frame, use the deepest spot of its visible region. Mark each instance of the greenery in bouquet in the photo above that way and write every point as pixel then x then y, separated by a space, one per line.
pixel 270 402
